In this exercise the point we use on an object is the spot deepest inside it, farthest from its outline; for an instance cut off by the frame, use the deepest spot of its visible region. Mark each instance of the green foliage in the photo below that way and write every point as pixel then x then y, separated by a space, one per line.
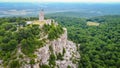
pixel 32 61
pixel 28 32
pixel 15 33
pixel 60 56
pixel 54 31
pixel 46 28
pixel 30 45
pixel 44 66
pixel 52 59
pixel 15 64
pixel 68 66
pixel 8 26
pixel 22 23
pixel 27 46
pixel 10 46
pixel 99 44
pixel 64 51
pixel 51 48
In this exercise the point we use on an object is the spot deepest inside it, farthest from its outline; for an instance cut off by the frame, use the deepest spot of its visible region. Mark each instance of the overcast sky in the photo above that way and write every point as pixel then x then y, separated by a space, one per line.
pixel 86 1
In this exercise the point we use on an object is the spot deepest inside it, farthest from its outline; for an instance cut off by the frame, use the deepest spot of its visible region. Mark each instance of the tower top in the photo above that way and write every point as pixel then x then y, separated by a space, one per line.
pixel 41 15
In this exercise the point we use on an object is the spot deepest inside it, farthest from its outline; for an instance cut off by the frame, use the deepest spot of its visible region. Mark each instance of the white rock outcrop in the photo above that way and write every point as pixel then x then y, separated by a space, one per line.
pixel 43 53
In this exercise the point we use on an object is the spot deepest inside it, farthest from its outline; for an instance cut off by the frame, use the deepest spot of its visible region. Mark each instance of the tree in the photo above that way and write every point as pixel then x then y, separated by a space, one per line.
pixel 15 64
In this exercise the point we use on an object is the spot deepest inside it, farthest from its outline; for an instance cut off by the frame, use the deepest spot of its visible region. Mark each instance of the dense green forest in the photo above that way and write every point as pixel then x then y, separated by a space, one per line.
pixel 99 45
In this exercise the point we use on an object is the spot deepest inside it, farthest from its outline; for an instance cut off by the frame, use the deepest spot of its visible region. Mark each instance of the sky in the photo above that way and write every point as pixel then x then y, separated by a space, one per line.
pixel 84 1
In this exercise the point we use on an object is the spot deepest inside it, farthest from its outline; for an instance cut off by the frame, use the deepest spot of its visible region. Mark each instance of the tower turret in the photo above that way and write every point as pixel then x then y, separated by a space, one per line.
pixel 41 15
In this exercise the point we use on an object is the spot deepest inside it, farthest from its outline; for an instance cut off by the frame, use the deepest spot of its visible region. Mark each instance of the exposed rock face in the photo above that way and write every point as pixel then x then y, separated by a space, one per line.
pixel 43 53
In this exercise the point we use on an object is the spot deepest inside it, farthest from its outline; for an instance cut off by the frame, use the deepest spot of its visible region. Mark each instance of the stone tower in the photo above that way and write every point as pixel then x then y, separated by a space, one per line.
pixel 41 15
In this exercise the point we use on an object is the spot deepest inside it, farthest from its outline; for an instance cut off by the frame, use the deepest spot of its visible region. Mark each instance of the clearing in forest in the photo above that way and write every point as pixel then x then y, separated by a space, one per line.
pixel 89 23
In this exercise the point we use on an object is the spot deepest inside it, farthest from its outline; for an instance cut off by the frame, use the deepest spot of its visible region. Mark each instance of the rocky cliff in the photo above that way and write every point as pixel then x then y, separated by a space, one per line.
pixel 61 47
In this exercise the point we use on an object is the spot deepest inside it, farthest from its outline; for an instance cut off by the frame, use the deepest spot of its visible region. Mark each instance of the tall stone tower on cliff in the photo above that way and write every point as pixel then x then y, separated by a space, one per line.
pixel 41 15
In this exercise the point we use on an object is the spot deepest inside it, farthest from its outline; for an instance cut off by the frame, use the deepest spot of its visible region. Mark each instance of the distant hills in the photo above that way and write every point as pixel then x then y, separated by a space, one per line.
pixel 59 9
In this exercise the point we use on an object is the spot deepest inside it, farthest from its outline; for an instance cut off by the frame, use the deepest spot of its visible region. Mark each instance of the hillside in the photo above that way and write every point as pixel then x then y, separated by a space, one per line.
pixel 100 45
pixel 33 46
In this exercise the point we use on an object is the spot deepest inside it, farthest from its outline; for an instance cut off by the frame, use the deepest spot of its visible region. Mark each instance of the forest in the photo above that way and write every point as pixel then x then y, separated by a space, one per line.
pixel 99 45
